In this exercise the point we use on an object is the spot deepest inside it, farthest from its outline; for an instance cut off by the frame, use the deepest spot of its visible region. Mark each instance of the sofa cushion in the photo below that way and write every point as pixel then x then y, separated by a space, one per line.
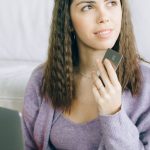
pixel 14 76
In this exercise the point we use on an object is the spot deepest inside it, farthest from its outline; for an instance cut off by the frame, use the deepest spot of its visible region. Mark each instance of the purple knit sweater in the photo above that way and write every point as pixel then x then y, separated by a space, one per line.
pixel 128 129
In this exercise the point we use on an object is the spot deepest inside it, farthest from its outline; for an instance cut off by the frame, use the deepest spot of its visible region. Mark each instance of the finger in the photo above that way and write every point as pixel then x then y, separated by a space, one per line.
pixel 98 83
pixel 111 72
pixel 103 74
pixel 96 94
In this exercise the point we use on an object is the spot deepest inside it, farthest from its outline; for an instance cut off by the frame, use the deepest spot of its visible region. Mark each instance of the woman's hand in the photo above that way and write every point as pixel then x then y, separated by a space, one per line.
pixel 108 96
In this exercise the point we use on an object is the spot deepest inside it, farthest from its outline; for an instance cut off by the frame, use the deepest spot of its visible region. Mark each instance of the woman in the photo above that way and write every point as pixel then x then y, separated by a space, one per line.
pixel 67 105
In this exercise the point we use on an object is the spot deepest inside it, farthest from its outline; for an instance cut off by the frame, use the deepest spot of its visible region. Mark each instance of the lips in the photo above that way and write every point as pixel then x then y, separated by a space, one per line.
pixel 104 33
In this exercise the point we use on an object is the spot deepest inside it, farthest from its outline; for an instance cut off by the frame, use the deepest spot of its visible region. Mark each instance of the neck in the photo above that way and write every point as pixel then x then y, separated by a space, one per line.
pixel 88 60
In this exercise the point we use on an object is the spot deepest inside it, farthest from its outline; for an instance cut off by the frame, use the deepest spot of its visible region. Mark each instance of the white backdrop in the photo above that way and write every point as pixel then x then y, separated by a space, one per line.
pixel 24 29
pixel 140 10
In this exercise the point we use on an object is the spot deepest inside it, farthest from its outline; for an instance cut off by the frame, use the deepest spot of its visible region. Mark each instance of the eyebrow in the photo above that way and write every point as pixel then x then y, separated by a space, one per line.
pixel 85 2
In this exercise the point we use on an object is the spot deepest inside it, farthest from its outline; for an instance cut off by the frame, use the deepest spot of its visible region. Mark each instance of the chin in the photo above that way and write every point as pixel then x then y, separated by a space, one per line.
pixel 104 47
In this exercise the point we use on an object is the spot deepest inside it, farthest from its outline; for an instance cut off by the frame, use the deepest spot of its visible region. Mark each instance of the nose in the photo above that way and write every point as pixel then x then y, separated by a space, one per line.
pixel 102 15
pixel 103 20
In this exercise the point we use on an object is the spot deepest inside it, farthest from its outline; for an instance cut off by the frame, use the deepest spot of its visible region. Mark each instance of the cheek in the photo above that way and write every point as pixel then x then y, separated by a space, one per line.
pixel 118 21
pixel 80 24
pixel 117 16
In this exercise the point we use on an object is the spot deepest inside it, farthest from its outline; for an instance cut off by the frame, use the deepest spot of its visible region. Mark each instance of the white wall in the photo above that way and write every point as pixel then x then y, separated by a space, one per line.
pixel 140 10
pixel 24 29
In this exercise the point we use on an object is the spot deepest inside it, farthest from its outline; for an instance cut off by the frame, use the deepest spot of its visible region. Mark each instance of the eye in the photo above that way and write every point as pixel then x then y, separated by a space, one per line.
pixel 112 3
pixel 86 8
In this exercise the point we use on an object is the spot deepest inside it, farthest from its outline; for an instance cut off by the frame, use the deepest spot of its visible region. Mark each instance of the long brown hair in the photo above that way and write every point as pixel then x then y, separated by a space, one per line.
pixel 57 84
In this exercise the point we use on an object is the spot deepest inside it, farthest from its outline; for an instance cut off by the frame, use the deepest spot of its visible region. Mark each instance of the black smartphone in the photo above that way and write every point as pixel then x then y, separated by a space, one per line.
pixel 114 57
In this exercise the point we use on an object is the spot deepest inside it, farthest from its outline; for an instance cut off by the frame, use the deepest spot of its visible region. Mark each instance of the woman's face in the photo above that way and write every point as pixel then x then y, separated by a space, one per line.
pixel 97 23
